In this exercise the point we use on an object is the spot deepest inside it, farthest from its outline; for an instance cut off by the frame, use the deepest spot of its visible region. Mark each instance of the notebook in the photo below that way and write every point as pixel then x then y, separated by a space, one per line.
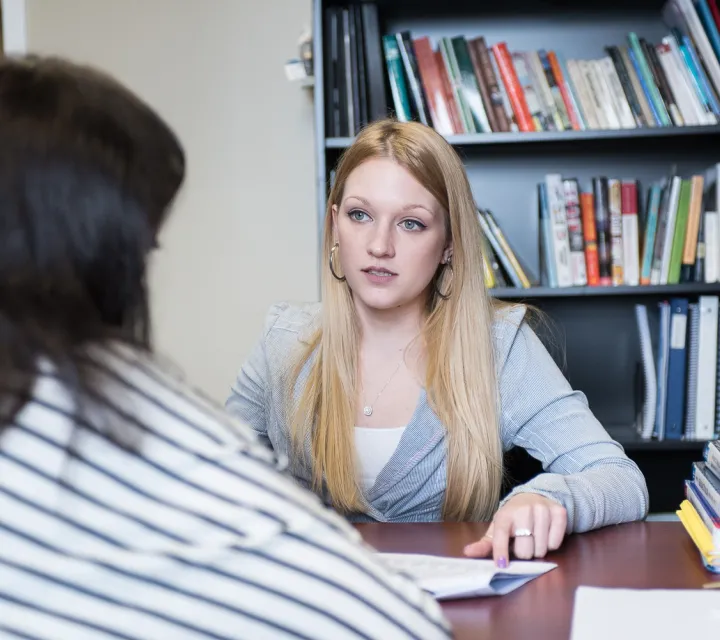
pixel 449 578
pixel 660 614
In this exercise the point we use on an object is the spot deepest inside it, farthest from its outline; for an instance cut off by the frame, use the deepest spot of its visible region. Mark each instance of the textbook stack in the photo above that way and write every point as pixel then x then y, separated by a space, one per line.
pixel 699 511
pixel 598 234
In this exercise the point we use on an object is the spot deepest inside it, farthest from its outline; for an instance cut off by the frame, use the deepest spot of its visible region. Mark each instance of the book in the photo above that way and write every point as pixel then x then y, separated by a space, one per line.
pixel 450 578
pixel 700 535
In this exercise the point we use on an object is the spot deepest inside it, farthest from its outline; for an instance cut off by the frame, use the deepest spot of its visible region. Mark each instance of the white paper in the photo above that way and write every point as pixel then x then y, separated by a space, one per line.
pixel 659 614
pixel 464 577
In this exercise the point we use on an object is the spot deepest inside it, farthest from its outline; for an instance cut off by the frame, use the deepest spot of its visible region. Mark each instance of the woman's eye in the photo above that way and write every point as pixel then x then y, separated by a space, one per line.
pixel 357 215
pixel 412 225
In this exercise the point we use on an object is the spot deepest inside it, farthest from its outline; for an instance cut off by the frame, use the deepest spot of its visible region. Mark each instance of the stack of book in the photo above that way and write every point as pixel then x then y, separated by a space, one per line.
pixel 466 86
pixel 604 233
pixel 699 511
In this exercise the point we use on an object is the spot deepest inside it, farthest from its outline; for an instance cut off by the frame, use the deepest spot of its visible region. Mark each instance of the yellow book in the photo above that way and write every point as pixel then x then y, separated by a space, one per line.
pixel 699 534
pixel 488 274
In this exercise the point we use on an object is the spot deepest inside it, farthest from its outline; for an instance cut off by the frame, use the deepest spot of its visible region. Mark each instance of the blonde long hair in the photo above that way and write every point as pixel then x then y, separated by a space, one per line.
pixel 457 336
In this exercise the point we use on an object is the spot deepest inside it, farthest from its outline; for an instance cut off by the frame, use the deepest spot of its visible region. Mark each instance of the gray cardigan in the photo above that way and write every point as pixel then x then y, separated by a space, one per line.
pixel 585 470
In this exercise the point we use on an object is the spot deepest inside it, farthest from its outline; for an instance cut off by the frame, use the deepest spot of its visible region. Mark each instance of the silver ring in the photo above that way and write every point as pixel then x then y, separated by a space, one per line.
pixel 522 533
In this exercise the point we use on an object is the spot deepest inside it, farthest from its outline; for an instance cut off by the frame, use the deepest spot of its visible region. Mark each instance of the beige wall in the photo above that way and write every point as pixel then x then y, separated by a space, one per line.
pixel 243 233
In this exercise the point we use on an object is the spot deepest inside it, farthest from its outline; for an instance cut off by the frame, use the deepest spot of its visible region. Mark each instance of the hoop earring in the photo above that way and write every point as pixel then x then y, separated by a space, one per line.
pixel 445 296
pixel 332 267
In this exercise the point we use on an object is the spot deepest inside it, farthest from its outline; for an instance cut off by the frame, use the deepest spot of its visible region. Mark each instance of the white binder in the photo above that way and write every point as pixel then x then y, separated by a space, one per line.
pixel 706 368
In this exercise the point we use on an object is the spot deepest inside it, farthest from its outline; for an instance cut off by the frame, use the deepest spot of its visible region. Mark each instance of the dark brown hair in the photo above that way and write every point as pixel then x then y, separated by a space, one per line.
pixel 87 175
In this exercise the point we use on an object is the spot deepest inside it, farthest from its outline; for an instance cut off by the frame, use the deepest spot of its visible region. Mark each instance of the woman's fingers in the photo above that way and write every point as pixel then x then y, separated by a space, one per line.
pixel 541 516
pixel 501 537
pixel 536 527
pixel 523 530
pixel 558 526
pixel 483 547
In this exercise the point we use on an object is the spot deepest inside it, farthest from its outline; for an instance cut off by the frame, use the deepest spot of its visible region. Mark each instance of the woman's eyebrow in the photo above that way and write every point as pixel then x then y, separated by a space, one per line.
pixel 363 200
pixel 410 207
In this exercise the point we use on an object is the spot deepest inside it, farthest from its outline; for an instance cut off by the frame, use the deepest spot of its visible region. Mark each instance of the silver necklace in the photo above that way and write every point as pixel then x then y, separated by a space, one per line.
pixel 368 408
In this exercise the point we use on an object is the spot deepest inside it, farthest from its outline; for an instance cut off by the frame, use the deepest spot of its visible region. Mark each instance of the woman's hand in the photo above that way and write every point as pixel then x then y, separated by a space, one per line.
pixel 537 524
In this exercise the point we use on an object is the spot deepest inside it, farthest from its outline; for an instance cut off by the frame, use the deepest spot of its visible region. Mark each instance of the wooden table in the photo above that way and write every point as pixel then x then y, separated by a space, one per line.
pixel 638 555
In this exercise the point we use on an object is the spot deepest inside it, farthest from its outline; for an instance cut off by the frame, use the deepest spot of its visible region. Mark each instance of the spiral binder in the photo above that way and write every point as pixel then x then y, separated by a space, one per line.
pixel 692 370
pixel 650 401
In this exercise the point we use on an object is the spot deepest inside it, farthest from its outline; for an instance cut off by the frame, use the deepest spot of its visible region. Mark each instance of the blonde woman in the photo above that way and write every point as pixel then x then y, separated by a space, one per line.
pixel 396 397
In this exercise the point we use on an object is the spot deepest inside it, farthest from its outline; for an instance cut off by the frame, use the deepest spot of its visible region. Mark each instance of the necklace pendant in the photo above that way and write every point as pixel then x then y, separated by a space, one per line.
pixel 367 410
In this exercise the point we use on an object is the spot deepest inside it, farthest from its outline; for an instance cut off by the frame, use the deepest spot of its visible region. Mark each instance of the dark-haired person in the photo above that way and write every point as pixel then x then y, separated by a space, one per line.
pixel 129 506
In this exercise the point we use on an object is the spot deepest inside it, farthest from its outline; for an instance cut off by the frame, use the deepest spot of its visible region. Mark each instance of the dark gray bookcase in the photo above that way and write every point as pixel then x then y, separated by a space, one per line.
pixel 591 332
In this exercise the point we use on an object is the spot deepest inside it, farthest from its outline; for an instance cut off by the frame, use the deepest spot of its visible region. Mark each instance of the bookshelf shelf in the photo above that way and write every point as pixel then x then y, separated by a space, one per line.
pixel 513 293
pixel 631 441
pixel 535 137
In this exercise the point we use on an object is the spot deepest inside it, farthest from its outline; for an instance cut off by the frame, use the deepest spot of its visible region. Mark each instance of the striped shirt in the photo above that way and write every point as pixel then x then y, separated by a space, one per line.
pixel 187 528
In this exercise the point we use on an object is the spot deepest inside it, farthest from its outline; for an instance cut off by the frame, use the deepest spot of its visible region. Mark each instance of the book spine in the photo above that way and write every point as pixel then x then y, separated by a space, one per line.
pixel 627 87
pixel 630 232
pixel 652 89
pixel 689 254
pixel 592 264
pixel 512 86
pixel 712 457
pixel 409 60
pixel 692 371
pixel 453 72
pixel 712 248
pixel 571 192
pixel 547 252
pixel 678 239
pixel 474 50
pixel 396 77
pixel 699 271
pixel 541 121
pixel 507 249
pixel 625 114
pixel 706 485
pixel 616 241
pixel 432 86
pixel 469 86
pixel 602 226
pixel 600 110
pixel 492 83
pixel 577 75
pixel 555 90
pixel 536 74
pixel 450 101
pixel 659 80
pixel 558 218
pixel 632 56
pixel 648 117
pixel 650 231
pixel 497 248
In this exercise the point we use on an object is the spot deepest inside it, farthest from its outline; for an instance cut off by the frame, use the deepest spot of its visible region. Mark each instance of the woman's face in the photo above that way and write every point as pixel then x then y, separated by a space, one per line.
pixel 391 234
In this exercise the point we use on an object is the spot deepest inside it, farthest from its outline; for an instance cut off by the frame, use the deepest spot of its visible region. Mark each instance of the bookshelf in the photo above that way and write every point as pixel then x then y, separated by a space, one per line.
pixel 523 138
pixel 531 294
pixel 591 331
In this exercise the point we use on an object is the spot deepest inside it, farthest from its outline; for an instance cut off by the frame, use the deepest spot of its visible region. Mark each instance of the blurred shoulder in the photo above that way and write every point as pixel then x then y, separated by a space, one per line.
pixel 292 317
pixel 288 323
pixel 512 330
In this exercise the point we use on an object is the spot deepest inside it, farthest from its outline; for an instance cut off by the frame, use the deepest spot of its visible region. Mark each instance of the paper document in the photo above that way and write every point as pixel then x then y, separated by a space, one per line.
pixel 464 577
pixel 661 614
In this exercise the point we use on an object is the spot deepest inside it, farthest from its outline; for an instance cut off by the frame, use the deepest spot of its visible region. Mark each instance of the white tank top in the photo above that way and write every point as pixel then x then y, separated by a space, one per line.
pixel 374 448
